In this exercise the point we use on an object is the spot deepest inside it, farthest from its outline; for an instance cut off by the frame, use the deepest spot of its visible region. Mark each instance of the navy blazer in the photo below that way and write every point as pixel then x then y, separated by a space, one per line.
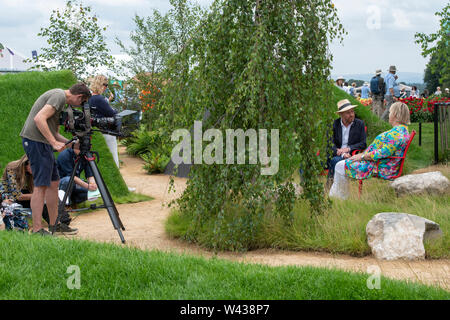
pixel 356 137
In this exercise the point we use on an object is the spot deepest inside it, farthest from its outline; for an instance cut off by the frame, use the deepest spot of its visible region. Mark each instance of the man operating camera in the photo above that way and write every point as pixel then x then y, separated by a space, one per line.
pixel 40 136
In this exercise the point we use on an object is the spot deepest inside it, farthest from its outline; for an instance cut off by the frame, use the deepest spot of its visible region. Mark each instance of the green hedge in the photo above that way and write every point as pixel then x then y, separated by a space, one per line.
pixel 18 93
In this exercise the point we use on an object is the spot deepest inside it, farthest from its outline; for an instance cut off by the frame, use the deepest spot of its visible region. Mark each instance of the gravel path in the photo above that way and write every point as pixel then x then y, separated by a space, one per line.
pixel 144 223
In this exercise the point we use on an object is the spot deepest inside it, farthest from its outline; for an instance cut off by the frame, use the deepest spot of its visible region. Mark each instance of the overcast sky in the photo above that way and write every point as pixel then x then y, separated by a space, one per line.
pixel 380 32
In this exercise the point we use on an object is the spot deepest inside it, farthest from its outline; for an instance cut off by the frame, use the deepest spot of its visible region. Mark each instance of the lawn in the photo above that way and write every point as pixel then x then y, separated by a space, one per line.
pixel 113 272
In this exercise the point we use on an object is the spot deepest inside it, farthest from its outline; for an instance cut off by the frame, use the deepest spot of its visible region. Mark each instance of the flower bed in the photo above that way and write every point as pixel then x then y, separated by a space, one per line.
pixel 420 109
pixel 366 102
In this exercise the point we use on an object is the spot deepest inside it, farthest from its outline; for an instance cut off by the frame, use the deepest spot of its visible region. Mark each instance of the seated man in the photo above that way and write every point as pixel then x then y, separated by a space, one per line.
pixel 349 134
pixel 66 164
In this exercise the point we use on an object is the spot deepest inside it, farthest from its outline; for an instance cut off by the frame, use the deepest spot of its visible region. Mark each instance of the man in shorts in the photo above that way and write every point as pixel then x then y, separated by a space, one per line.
pixel 40 136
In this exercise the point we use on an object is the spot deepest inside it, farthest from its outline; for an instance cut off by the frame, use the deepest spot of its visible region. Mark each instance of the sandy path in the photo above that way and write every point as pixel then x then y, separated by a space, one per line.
pixel 144 223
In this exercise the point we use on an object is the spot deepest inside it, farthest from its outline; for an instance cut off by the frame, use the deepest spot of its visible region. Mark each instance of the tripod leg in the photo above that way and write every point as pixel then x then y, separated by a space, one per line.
pixel 107 199
pixel 67 192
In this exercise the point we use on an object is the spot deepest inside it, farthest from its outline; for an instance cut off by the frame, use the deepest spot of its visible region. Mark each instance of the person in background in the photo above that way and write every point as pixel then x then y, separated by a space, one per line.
pixel 18 185
pixel 340 82
pixel 365 91
pixel 415 92
pixel 438 91
pixel 378 90
pixel 392 93
pixel 353 90
pixel 102 109
pixel 66 164
pixel 346 87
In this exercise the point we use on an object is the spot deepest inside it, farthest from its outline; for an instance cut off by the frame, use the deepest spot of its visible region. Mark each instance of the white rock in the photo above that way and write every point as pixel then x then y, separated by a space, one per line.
pixel 393 235
pixel 430 182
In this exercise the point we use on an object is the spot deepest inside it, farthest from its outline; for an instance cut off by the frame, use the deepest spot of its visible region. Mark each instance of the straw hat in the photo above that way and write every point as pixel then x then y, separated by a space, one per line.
pixel 345 105
pixel 340 78
pixel 378 72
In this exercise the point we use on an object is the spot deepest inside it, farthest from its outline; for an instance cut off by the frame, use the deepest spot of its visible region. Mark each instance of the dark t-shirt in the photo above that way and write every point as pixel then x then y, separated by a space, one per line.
pixel 101 105
pixel 66 163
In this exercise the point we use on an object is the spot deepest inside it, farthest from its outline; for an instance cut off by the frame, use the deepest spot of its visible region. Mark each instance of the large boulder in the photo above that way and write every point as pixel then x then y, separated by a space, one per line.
pixel 393 235
pixel 430 183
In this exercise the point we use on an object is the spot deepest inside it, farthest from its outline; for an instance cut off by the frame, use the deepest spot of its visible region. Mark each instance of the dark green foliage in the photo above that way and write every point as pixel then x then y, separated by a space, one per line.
pixel 18 93
pixel 152 146
pixel 432 74
pixel 155 162
pixel 437 45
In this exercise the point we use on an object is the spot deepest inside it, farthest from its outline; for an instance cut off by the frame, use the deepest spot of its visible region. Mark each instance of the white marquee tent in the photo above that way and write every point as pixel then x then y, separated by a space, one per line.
pixel 11 60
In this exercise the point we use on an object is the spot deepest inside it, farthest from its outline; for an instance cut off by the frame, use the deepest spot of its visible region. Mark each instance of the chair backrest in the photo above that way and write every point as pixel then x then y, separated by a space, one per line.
pixel 403 157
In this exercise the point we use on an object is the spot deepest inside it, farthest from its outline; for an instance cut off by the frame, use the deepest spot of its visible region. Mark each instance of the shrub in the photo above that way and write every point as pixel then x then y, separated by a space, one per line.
pixel 155 162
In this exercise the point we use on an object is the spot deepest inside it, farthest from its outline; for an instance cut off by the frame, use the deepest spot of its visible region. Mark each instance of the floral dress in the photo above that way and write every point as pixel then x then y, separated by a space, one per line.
pixel 9 186
pixel 391 143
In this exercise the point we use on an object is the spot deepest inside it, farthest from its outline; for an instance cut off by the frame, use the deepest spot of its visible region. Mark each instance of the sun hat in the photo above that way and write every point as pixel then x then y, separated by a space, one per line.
pixel 392 68
pixel 345 105
pixel 340 78
pixel 378 72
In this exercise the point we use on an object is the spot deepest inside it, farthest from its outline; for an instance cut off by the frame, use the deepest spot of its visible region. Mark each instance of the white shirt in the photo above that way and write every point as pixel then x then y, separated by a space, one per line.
pixel 345 134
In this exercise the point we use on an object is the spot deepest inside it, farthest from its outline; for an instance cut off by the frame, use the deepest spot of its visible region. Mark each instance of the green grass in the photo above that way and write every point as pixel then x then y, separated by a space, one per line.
pixel 34 267
pixel 340 229
pixel 18 93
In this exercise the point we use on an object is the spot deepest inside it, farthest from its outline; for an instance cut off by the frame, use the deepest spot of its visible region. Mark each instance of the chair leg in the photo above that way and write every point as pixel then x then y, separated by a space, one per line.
pixel 360 188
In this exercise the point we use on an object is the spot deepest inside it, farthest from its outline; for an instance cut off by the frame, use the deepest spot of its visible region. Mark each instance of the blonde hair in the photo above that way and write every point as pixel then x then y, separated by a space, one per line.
pixel 96 84
pixel 400 112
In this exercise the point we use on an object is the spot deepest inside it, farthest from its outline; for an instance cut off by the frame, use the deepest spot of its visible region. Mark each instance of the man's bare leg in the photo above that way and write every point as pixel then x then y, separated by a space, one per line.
pixel 37 205
pixel 51 199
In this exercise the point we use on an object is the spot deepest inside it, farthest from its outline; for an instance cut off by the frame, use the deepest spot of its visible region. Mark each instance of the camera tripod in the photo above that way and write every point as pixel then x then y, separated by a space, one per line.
pixel 86 155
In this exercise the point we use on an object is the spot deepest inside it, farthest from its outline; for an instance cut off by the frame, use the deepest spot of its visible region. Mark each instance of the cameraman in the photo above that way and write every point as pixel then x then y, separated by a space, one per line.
pixel 98 86
pixel 40 136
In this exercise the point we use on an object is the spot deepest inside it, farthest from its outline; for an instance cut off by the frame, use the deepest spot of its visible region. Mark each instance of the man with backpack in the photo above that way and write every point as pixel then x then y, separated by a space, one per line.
pixel 378 89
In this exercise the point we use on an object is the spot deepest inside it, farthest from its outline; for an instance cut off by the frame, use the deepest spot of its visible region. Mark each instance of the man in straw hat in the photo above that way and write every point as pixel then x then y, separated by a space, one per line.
pixel 378 89
pixel 393 91
pixel 349 134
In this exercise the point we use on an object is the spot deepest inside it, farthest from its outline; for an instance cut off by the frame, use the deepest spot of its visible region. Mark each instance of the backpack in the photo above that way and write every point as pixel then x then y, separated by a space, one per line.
pixel 377 85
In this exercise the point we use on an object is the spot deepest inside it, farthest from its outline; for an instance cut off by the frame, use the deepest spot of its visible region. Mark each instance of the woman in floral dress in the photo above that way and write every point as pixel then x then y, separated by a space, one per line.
pixel 374 160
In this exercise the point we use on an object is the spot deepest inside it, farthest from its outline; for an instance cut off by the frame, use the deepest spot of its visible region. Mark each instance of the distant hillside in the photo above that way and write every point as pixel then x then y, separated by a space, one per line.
pixel 407 77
